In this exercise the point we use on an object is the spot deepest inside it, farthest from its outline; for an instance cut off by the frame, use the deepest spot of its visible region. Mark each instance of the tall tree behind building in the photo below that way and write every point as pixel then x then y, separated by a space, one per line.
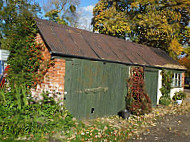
pixel 162 24
pixel 111 17
pixel 61 11
pixel 16 18
pixel 186 60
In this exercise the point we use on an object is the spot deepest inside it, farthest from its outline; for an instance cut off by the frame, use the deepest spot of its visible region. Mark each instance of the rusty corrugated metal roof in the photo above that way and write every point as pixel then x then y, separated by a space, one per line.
pixel 66 40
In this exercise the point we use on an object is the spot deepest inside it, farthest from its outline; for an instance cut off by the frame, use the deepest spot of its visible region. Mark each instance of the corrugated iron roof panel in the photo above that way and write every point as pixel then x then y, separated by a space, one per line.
pixel 72 41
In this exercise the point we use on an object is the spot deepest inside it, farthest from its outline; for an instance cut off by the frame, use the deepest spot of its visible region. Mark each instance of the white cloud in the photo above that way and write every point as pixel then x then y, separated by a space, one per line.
pixel 85 17
pixel 88 8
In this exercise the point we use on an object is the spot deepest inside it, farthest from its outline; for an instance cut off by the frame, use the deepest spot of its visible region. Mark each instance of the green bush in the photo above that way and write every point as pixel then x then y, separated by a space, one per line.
pixel 179 96
pixel 165 101
pixel 166 87
pixel 166 83
pixel 21 117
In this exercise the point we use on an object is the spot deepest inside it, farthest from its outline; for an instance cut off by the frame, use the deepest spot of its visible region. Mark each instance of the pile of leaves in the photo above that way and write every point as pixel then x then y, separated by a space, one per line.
pixel 137 101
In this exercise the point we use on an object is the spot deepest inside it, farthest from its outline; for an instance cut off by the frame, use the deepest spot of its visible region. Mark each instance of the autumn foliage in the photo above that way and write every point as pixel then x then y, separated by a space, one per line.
pixel 138 102
pixel 186 62
pixel 161 24
pixel 110 19
pixel 37 66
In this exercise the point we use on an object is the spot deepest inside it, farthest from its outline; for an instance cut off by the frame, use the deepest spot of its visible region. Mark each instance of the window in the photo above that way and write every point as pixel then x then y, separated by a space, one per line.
pixel 177 80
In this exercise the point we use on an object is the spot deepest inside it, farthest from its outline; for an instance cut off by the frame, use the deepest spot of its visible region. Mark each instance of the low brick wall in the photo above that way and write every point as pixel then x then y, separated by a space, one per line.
pixel 54 78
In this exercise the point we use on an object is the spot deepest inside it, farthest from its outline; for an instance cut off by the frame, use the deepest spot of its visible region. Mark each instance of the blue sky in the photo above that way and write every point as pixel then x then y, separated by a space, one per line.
pixel 84 3
pixel 84 10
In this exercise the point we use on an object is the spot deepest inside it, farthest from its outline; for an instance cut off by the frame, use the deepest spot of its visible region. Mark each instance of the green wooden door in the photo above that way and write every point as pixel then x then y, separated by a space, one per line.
pixel 95 89
pixel 151 84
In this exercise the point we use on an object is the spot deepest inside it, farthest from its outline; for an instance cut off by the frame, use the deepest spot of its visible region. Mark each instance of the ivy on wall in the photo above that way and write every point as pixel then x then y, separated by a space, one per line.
pixel 166 87
pixel 27 65
pixel 137 101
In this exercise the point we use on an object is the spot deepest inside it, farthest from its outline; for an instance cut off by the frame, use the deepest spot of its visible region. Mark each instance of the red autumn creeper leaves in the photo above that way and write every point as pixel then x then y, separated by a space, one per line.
pixel 138 102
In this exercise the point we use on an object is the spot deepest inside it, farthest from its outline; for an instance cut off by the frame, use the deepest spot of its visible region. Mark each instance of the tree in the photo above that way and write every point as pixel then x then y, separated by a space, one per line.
pixel 18 30
pixel 185 60
pixel 110 18
pixel 61 11
pixel 161 24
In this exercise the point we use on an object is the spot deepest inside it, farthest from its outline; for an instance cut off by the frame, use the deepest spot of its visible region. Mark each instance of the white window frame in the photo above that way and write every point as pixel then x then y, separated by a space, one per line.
pixel 177 80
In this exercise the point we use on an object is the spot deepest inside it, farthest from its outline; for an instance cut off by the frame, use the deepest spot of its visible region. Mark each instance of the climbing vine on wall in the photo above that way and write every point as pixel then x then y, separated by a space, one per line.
pixel 27 65
pixel 38 66
pixel 137 101
pixel 166 87
pixel 166 83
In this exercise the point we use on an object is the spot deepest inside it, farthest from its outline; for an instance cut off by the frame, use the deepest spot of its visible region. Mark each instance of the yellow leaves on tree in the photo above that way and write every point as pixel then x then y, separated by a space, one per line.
pixel 109 20
pixel 161 24
pixel 175 48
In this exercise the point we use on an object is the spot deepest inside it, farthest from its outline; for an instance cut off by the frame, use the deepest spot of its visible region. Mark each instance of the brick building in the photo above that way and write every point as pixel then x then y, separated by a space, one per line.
pixel 91 69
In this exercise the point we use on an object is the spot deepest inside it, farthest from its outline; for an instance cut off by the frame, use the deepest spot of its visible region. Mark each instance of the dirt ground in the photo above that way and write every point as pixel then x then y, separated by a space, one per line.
pixel 170 128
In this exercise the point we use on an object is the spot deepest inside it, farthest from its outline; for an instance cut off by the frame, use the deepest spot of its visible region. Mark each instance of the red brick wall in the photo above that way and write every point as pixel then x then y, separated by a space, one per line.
pixel 54 78
pixel 183 80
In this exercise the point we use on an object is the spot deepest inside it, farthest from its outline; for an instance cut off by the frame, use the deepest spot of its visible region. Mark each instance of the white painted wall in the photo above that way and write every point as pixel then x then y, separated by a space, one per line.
pixel 159 94
pixel 172 92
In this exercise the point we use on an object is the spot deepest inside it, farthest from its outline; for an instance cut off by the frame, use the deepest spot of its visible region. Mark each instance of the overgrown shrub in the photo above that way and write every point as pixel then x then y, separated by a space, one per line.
pixel 137 101
pixel 21 117
pixel 164 101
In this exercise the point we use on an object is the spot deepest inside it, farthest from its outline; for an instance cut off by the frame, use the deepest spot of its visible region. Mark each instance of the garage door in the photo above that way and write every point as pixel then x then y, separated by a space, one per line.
pixel 151 84
pixel 94 89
